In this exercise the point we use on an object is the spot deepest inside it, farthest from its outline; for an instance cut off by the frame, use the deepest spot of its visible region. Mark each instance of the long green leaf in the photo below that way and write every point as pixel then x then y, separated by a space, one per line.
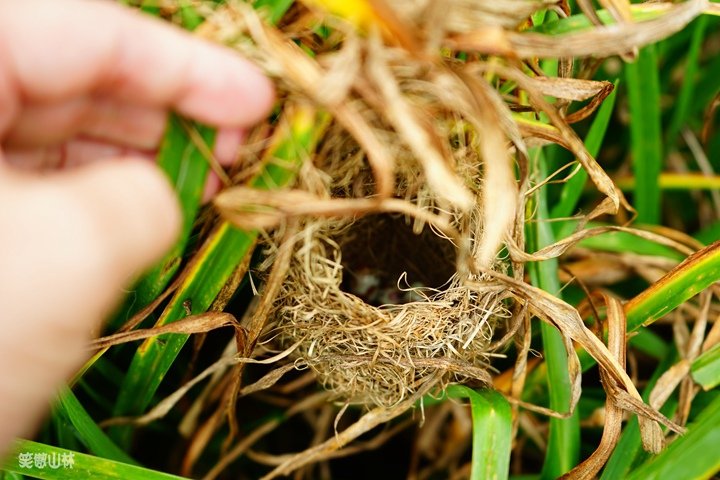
pixel 87 431
pixel 492 432
pixel 643 87
pixel 563 448
pixel 42 461
pixel 10 476
pixel 691 277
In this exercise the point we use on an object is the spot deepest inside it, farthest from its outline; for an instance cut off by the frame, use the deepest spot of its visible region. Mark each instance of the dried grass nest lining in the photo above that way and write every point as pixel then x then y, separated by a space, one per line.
pixel 380 355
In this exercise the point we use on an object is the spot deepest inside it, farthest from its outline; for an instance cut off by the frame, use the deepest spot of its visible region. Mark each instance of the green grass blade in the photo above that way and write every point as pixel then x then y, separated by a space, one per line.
pixel 573 188
pixel 274 8
pixel 187 168
pixel 214 266
pixel 64 431
pixel 189 16
pixel 697 273
pixel 706 368
pixel 623 242
pixel 692 456
pixel 683 101
pixel 563 448
pixel 296 137
pixel 70 465
pixel 492 432
pixel 87 431
pixel 643 86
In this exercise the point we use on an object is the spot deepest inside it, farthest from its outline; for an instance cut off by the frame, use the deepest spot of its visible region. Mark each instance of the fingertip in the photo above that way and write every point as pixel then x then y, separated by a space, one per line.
pixel 227 145
pixel 227 90
pixel 258 93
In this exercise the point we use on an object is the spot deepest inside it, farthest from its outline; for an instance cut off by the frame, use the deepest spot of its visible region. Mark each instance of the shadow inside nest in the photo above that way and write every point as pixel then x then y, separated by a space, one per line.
pixel 384 260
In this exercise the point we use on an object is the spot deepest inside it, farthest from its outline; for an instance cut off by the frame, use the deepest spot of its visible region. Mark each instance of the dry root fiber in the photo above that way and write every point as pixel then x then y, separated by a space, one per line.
pixel 380 355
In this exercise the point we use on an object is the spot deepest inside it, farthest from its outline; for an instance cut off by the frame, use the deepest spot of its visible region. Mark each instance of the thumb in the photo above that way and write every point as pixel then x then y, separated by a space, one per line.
pixel 69 243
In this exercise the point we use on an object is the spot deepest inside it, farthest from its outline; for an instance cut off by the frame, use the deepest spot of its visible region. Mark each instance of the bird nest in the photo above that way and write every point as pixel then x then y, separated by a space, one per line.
pixel 378 311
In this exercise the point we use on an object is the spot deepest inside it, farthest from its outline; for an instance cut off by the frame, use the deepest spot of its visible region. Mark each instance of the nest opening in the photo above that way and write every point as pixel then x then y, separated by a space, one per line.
pixel 384 259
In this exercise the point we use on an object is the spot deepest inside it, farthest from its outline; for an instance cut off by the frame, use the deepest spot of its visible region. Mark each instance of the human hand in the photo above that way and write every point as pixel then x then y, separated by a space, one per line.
pixel 87 86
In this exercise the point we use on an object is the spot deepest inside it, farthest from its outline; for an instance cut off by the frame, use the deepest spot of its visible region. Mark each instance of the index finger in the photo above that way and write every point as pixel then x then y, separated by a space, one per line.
pixel 52 51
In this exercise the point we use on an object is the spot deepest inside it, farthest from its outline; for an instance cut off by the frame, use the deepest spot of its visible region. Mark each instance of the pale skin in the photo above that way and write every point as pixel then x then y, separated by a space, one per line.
pixel 85 89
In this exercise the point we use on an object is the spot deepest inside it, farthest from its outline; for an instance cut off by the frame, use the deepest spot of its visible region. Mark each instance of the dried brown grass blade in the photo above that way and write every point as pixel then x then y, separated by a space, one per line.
pixel 188 426
pixel 249 208
pixel 668 382
pixel 400 31
pixel 587 110
pixel 499 198
pixel 619 9
pixel 417 131
pixel 373 443
pixel 200 323
pixel 599 41
pixel 162 408
pixel 568 321
pixel 569 88
pixel 269 379
pixel 562 246
pixel 198 442
pixel 589 468
pixel 598 176
pixel 256 317
pixel 587 7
